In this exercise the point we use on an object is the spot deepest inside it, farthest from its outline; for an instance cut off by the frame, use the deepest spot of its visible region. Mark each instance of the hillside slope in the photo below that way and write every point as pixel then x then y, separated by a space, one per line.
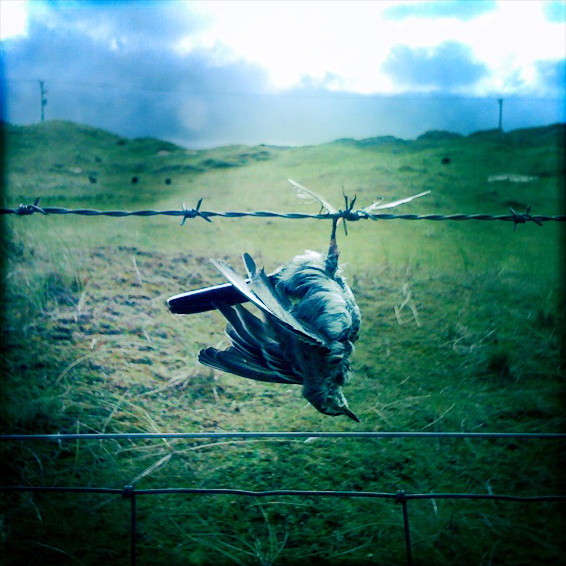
pixel 462 330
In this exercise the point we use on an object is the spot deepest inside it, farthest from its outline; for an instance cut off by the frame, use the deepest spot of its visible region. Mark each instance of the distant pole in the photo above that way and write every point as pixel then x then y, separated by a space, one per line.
pixel 43 99
pixel 500 100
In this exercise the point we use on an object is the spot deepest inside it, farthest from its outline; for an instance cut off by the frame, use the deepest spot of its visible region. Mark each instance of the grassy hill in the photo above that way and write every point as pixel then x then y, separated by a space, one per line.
pixel 89 346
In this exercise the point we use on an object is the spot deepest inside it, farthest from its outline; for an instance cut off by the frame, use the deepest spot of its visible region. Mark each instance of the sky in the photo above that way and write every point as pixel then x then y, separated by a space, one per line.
pixel 203 74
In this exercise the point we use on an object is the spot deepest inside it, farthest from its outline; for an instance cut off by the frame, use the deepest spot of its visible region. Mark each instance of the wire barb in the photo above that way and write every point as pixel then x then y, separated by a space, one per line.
pixel 26 209
pixel 523 218
pixel 193 212
pixel 348 214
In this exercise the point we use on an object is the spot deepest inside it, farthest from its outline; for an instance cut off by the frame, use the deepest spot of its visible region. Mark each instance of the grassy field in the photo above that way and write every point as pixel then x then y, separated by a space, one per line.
pixel 89 346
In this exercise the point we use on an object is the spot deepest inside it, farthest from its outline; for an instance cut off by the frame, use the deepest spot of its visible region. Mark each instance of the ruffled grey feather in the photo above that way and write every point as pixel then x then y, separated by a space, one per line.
pixel 310 322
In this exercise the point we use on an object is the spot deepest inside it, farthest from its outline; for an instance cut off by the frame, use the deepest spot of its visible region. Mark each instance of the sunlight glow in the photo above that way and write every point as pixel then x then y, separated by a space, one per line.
pixel 342 45
pixel 13 18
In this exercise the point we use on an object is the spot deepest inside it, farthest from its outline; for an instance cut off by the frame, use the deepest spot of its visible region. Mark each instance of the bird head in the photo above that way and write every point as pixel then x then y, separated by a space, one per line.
pixel 330 402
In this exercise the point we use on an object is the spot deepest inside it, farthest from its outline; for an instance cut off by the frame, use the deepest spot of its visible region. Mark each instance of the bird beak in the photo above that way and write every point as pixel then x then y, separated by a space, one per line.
pixel 350 414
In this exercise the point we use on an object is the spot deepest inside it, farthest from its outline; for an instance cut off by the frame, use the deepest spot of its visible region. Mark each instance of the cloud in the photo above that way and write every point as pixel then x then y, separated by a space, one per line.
pixel 130 24
pixel 552 76
pixel 555 11
pixel 131 87
pixel 446 67
pixel 464 10
pixel 118 67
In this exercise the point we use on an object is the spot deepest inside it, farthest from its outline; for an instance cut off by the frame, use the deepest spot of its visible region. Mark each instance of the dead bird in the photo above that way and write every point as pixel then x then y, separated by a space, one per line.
pixel 310 323
pixel 310 320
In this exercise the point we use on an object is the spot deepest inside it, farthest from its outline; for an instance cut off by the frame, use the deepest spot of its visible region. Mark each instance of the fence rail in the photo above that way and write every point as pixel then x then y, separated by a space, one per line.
pixel 400 496
pixel 199 435
pixel 128 490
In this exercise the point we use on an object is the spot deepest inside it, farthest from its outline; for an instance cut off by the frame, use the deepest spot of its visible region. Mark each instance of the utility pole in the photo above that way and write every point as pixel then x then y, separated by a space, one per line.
pixel 500 100
pixel 43 99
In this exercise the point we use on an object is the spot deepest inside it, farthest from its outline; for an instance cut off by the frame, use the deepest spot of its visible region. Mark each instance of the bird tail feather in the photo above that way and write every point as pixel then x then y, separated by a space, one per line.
pixel 232 361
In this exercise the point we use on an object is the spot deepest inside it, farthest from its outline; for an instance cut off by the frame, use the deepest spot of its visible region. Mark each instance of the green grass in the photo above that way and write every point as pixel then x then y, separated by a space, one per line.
pixel 89 346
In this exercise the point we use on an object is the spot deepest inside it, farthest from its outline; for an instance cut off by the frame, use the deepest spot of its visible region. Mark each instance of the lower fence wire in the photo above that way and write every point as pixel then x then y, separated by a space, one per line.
pixel 401 496
pixel 128 492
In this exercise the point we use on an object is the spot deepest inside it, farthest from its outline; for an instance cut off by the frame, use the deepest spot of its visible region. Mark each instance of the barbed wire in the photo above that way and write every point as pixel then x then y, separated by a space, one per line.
pixel 346 215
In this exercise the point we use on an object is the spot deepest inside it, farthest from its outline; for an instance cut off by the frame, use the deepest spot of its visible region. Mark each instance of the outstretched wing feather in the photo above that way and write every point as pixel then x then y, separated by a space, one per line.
pixel 232 361
pixel 260 292
pixel 271 353
pixel 252 340
pixel 278 305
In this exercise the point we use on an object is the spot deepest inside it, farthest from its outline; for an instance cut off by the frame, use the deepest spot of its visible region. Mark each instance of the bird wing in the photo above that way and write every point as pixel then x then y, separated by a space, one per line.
pixel 261 292
pixel 231 362
pixel 254 353
pixel 202 300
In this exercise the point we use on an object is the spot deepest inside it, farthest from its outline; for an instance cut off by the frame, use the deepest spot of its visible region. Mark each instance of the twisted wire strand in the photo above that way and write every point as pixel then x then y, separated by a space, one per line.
pixel 348 215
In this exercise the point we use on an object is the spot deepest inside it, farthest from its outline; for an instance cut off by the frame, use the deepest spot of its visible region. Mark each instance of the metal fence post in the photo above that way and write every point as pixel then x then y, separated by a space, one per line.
pixel 129 493
pixel 400 497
